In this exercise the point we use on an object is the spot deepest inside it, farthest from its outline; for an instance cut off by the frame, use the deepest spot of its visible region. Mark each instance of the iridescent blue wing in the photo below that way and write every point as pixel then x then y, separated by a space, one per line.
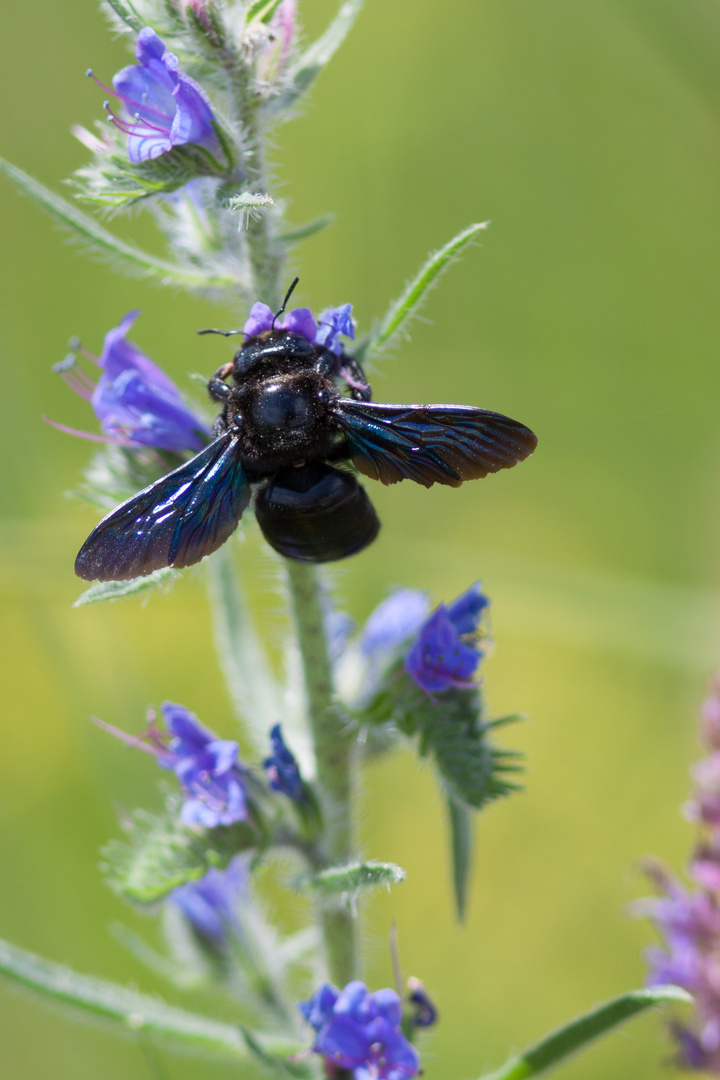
pixel 174 522
pixel 430 444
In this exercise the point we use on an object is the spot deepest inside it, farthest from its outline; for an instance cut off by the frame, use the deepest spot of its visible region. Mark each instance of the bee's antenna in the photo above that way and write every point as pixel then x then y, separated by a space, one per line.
pixel 288 294
pixel 223 333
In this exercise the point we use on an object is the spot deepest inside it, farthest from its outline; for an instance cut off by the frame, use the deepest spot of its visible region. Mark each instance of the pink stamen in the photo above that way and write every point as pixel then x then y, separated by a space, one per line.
pixel 136 741
pixel 127 100
pixel 88 434
pixel 147 124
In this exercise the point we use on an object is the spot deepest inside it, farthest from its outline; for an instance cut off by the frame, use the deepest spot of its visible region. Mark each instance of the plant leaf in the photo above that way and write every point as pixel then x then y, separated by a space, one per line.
pixel 576 1035
pixel 160 854
pixel 415 293
pixel 461 849
pixel 115 590
pixel 131 1010
pixel 252 687
pixel 277 1064
pixel 84 228
pixel 263 10
pixel 354 876
pixel 126 14
pixel 293 236
pixel 304 72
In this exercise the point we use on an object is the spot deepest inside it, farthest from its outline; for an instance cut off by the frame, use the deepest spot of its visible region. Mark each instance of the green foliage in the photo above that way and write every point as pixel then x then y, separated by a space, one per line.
pixel 461 851
pixel 294 236
pixel 576 1035
pixel 408 305
pixel 303 73
pixel 130 1010
pixel 160 854
pixel 354 876
pixel 99 241
pixel 451 727
pixel 116 590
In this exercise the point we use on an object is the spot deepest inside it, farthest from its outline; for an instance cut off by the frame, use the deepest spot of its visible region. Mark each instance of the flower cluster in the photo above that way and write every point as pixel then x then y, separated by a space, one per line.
pixel 689 919
pixel 209 769
pixel 360 1031
pixel 134 400
pixel 326 331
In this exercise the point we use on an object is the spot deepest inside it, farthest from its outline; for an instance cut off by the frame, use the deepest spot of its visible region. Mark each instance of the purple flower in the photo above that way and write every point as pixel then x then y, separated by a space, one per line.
pixel 297 321
pixel 210 904
pixel 282 769
pixel 209 769
pixel 393 622
pixel 135 402
pixel 165 107
pixel 333 322
pixel 445 652
pixel 360 1031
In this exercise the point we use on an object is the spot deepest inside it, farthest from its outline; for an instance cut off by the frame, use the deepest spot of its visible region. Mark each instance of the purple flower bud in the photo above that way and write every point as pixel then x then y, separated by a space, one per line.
pixel 333 322
pixel 445 652
pixel 282 769
pixel 210 904
pixel 135 402
pixel 394 622
pixel 165 108
pixel 425 1013
pixel 360 1031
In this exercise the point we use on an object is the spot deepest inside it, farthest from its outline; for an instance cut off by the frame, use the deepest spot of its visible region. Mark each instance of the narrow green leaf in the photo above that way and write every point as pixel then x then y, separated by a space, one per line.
pixel 293 236
pixel 276 1064
pixel 354 876
pixel 461 849
pixel 416 291
pixel 86 229
pixel 126 13
pixel 252 687
pixel 263 10
pixel 576 1035
pixel 302 75
pixel 131 1010
pixel 115 590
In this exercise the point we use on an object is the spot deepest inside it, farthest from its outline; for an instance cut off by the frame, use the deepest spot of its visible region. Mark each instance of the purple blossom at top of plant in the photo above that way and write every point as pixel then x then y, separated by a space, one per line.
pixel 134 400
pixel 210 904
pixel 282 768
pixel 332 323
pixel 360 1031
pixel 446 652
pixel 209 769
pixel 166 108
pixel 689 921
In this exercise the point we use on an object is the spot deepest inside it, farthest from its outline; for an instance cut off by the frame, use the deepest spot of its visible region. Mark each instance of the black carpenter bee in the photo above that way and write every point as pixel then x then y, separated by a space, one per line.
pixel 283 429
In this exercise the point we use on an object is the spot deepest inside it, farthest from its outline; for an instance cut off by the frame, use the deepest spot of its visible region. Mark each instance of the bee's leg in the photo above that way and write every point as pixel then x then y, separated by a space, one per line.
pixel 347 368
pixel 217 387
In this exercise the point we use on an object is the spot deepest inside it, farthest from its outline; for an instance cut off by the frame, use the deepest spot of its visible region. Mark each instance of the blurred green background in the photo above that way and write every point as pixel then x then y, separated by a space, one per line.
pixel 590 135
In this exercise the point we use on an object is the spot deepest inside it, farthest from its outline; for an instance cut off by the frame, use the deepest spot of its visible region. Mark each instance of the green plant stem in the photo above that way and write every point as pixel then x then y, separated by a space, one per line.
pixel 576 1035
pixel 333 747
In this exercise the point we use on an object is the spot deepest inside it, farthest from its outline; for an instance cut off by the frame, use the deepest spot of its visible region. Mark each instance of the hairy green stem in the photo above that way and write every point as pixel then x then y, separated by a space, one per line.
pixel 333 745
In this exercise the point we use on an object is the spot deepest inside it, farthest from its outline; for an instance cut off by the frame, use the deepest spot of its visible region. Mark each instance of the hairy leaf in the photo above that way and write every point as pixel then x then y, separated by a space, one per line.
pixel 415 293
pixel 129 1009
pixel 294 236
pixel 115 590
pixel 160 854
pixel 354 876
pixel 304 72
pixel 86 229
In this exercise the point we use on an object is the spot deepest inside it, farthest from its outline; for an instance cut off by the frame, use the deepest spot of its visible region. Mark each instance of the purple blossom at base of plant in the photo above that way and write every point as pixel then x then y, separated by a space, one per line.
pixel 136 403
pixel 445 653
pixel 210 904
pixel 282 769
pixel 360 1031
pixel 165 107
